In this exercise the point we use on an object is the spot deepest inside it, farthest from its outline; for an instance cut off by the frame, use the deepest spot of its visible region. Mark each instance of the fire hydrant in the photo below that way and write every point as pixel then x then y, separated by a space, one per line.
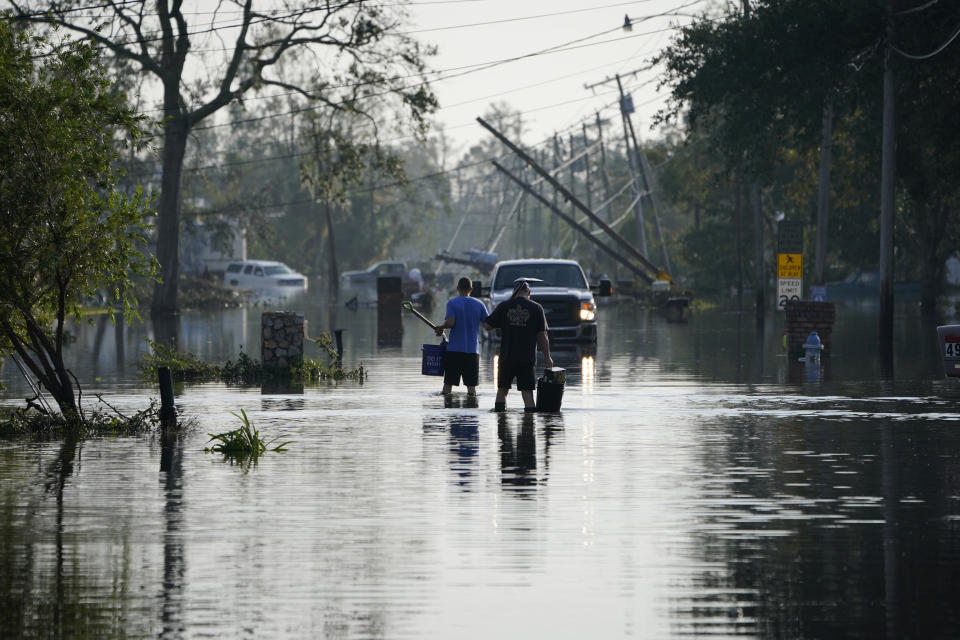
pixel 812 348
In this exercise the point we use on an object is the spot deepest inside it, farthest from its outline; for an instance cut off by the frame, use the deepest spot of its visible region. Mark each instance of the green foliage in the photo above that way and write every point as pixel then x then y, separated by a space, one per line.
pixel 753 87
pixel 67 231
pixel 315 370
pixel 187 367
pixel 244 443
pixel 245 370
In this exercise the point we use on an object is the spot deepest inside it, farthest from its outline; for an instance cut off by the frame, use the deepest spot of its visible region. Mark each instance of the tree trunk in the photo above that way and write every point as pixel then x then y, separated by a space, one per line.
pixel 738 215
pixel 930 224
pixel 334 283
pixel 760 274
pixel 168 233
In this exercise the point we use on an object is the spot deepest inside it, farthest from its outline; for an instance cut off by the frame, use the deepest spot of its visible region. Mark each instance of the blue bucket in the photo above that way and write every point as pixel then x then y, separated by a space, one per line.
pixel 433 359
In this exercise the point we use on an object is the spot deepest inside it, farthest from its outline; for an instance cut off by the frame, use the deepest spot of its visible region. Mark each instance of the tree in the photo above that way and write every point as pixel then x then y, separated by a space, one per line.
pixel 67 232
pixel 760 85
pixel 352 57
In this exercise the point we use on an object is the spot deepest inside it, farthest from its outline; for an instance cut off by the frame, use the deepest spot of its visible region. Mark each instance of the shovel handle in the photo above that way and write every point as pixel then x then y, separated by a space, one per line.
pixel 409 307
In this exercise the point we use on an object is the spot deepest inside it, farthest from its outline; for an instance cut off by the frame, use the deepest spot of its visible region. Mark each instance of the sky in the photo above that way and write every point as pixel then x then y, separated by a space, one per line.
pixel 549 89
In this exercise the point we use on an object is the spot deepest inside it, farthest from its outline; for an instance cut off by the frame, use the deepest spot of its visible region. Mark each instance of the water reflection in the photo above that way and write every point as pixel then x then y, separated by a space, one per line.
pixel 463 430
pixel 174 557
pixel 679 503
pixel 518 454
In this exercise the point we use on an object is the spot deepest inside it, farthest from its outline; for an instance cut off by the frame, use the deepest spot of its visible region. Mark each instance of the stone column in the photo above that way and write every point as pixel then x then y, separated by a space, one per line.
pixel 281 340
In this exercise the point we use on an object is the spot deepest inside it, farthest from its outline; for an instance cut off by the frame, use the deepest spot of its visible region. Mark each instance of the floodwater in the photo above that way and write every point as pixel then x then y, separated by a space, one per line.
pixel 695 484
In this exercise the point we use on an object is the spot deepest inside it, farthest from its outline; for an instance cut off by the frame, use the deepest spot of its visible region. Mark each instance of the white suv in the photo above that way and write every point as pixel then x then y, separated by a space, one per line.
pixel 264 277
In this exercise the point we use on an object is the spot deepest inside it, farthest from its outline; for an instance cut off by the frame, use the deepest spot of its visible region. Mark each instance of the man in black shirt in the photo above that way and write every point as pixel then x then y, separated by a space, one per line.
pixel 523 325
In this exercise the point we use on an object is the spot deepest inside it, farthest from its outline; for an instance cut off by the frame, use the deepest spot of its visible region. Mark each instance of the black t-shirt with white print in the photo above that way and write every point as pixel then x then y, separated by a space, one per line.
pixel 519 320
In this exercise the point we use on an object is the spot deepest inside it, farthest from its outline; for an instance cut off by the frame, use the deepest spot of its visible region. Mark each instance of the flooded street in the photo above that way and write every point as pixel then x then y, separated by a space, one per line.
pixel 695 483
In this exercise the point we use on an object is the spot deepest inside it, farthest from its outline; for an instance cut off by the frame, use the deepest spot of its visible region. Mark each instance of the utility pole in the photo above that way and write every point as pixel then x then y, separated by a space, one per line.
pixel 637 188
pixel 638 168
pixel 642 170
pixel 553 221
pixel 587 182
pixel 887 193
pixel 576 225
pixel 603 167
pixel 558 187
pixel 760 273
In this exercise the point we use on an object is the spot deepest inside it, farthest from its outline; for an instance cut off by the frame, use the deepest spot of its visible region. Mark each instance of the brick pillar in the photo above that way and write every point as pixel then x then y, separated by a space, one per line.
pixel 804 316
pixel 389 299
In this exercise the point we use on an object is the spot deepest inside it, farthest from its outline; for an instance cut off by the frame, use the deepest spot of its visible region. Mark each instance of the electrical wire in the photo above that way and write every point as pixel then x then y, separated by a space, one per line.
pixel 936 51
pixel 922 7
pixel 349 101
pixel 240 23
pixel 524 18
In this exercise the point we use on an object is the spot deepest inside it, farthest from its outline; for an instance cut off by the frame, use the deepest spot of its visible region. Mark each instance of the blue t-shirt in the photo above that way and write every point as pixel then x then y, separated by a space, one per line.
pixel 467 314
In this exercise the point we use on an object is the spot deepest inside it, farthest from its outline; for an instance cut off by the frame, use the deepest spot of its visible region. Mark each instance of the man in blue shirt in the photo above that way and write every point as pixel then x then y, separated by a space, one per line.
pixel 462 359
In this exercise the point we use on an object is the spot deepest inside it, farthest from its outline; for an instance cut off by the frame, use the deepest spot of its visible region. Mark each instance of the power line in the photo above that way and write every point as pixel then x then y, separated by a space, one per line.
pixel 927 56
pixel 330 9
pixel 288 156
pixel 523 18
pixel 922 7
pixel 347 101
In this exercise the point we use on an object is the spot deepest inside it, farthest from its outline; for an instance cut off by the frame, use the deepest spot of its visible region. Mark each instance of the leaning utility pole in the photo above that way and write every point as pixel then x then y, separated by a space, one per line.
pixel 646 277
pixel 631 164
pixel 563 191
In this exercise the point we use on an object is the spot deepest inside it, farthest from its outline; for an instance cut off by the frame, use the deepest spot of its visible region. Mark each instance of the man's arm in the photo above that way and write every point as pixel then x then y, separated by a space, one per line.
pixel 492 321
pixel 544 343
pixel 447 324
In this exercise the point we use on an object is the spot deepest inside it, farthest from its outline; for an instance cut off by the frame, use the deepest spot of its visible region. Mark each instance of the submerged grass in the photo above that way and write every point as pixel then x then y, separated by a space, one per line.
pixel 28 422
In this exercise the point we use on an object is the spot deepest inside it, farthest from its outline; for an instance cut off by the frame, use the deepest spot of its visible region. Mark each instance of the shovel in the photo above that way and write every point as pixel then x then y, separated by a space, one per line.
pixel 409 307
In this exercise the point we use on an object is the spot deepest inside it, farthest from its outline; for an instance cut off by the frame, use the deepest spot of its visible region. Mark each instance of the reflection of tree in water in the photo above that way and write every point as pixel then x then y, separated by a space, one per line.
pixel 858 544
pixel 518 458
pixel 43 596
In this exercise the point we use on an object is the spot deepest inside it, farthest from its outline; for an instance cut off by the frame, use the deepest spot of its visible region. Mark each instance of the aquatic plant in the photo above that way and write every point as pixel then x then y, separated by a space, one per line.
pixel 242 441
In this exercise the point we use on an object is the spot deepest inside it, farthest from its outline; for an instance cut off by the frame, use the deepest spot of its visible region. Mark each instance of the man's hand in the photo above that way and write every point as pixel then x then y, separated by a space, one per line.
pixel 547 360
pixel 438 330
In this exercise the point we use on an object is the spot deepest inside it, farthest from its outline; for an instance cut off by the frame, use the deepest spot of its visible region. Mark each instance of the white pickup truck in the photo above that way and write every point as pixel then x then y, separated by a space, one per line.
pixel 562 290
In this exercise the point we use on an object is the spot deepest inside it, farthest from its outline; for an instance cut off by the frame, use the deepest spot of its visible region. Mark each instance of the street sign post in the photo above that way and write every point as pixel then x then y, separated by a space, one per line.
pixel 789 278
